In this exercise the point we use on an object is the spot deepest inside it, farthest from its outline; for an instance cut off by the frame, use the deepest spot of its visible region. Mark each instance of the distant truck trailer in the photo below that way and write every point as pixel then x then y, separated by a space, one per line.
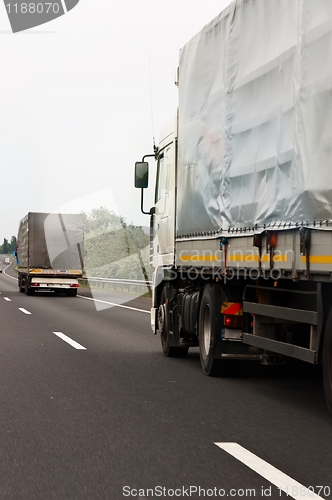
pixel 50 252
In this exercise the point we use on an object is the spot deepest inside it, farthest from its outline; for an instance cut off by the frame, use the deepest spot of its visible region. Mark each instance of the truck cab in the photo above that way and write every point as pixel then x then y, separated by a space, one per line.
pixel 162 221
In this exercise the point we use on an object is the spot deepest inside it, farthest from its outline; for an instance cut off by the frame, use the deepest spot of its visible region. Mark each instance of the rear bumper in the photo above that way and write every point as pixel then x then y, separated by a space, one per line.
pixel 54 283
pixel 235 349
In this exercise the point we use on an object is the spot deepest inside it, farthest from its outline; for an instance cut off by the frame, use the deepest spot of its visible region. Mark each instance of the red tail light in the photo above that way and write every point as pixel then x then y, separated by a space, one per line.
pixel 233 321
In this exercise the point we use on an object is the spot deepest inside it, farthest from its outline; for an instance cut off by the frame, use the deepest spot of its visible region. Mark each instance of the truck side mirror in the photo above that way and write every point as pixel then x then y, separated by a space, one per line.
pixel 141 174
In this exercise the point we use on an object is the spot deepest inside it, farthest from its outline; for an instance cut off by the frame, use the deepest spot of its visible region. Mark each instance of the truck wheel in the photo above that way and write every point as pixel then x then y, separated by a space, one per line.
pixel 210 324
pixel 27 287
pixel 20 286
pixel 71 293
pixel 327 362
pixel 163 328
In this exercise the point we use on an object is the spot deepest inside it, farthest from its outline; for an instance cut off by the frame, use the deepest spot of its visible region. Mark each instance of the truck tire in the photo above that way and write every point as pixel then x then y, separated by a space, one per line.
pixel 210 324
pixel 27 288
pixel 327 362
pixel 71 293
pixel 20 286
pixel 163 328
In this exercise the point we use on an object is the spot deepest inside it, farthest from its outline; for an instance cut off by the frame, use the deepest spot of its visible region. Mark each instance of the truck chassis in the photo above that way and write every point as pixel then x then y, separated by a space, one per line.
pixel 264 296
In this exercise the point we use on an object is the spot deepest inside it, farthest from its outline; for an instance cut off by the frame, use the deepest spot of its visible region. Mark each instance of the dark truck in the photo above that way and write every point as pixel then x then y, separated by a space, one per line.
pixel 50 252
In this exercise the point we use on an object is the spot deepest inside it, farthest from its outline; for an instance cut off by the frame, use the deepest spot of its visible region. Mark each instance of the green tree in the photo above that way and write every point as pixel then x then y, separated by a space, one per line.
pixel 5 246
pixel 112 248
pixel 101 220
pixel 12 244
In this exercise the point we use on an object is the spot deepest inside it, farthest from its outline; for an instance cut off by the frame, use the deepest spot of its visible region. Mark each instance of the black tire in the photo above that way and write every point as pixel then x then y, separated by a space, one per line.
pixel 71 292
pixel 20 286
pixel 327 362
pixel 163 328
pixel 210 324
pixel 27 288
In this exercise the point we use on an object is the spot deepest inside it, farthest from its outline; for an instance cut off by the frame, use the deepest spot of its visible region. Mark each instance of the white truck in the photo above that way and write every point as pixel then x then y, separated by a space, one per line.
pixel 50 252
pixel 241 229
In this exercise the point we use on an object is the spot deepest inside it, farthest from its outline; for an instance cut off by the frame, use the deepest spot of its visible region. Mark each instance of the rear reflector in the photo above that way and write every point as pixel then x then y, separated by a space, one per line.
pixel 233 321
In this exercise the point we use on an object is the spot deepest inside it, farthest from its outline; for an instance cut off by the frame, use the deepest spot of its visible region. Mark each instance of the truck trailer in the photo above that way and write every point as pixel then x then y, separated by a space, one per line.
pixel 241 227
pixel 50 252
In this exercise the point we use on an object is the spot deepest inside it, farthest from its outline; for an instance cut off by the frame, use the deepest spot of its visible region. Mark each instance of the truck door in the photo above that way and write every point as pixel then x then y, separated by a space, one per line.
pixel 163 243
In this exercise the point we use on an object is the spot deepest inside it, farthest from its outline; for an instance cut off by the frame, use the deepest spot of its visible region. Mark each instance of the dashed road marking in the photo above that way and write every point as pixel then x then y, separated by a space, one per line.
pixel 24 310
pixel 264 469
pixel 69 340
pixel 7 299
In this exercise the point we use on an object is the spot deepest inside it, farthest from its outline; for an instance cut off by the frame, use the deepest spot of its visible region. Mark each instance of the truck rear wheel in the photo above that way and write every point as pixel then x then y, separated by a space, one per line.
pixel 210 324
pixel 27 288
pixel 20 286
pixel 163 328
pixel 327 362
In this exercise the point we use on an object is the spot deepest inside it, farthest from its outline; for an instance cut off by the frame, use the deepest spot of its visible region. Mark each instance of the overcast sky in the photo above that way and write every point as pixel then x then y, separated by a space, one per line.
pixel 75 103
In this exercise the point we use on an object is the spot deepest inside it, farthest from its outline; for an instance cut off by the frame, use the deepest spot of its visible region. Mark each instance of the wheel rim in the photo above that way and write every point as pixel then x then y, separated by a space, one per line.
pixel 161 319
pixel 207 330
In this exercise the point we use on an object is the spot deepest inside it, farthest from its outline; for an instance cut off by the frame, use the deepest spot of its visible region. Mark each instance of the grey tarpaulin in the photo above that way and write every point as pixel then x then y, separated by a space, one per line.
pixel 51 241
pixel 255 117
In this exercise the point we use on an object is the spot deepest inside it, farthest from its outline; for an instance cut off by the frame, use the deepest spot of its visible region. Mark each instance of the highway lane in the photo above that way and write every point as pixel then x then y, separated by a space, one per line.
pixel 105 421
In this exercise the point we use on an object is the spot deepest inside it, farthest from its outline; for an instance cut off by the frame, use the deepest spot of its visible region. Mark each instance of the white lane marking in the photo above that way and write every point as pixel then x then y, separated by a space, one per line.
pixel 69 340
pixel 116 305
pixel 24 310
pixel 8 276
pixel 264 469
pixel 8 299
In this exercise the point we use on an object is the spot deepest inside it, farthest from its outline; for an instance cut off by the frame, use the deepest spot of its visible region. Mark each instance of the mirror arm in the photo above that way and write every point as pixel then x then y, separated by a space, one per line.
pixel 151 211
pixel 147 156
pixel 142 209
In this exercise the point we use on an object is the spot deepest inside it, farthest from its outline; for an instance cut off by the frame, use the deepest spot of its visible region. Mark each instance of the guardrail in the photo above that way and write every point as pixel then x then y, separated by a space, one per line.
pixel 123 285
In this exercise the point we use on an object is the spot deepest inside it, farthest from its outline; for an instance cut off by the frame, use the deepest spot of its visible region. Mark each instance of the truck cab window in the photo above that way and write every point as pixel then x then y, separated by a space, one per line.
pixel 160 174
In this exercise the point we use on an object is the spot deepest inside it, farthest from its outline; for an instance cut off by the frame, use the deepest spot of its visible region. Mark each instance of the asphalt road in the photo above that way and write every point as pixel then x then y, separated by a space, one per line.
pixel 115 419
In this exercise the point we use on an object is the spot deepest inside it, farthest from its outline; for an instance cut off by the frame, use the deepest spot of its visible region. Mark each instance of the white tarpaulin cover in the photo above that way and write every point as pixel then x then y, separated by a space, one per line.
pixel 255 118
